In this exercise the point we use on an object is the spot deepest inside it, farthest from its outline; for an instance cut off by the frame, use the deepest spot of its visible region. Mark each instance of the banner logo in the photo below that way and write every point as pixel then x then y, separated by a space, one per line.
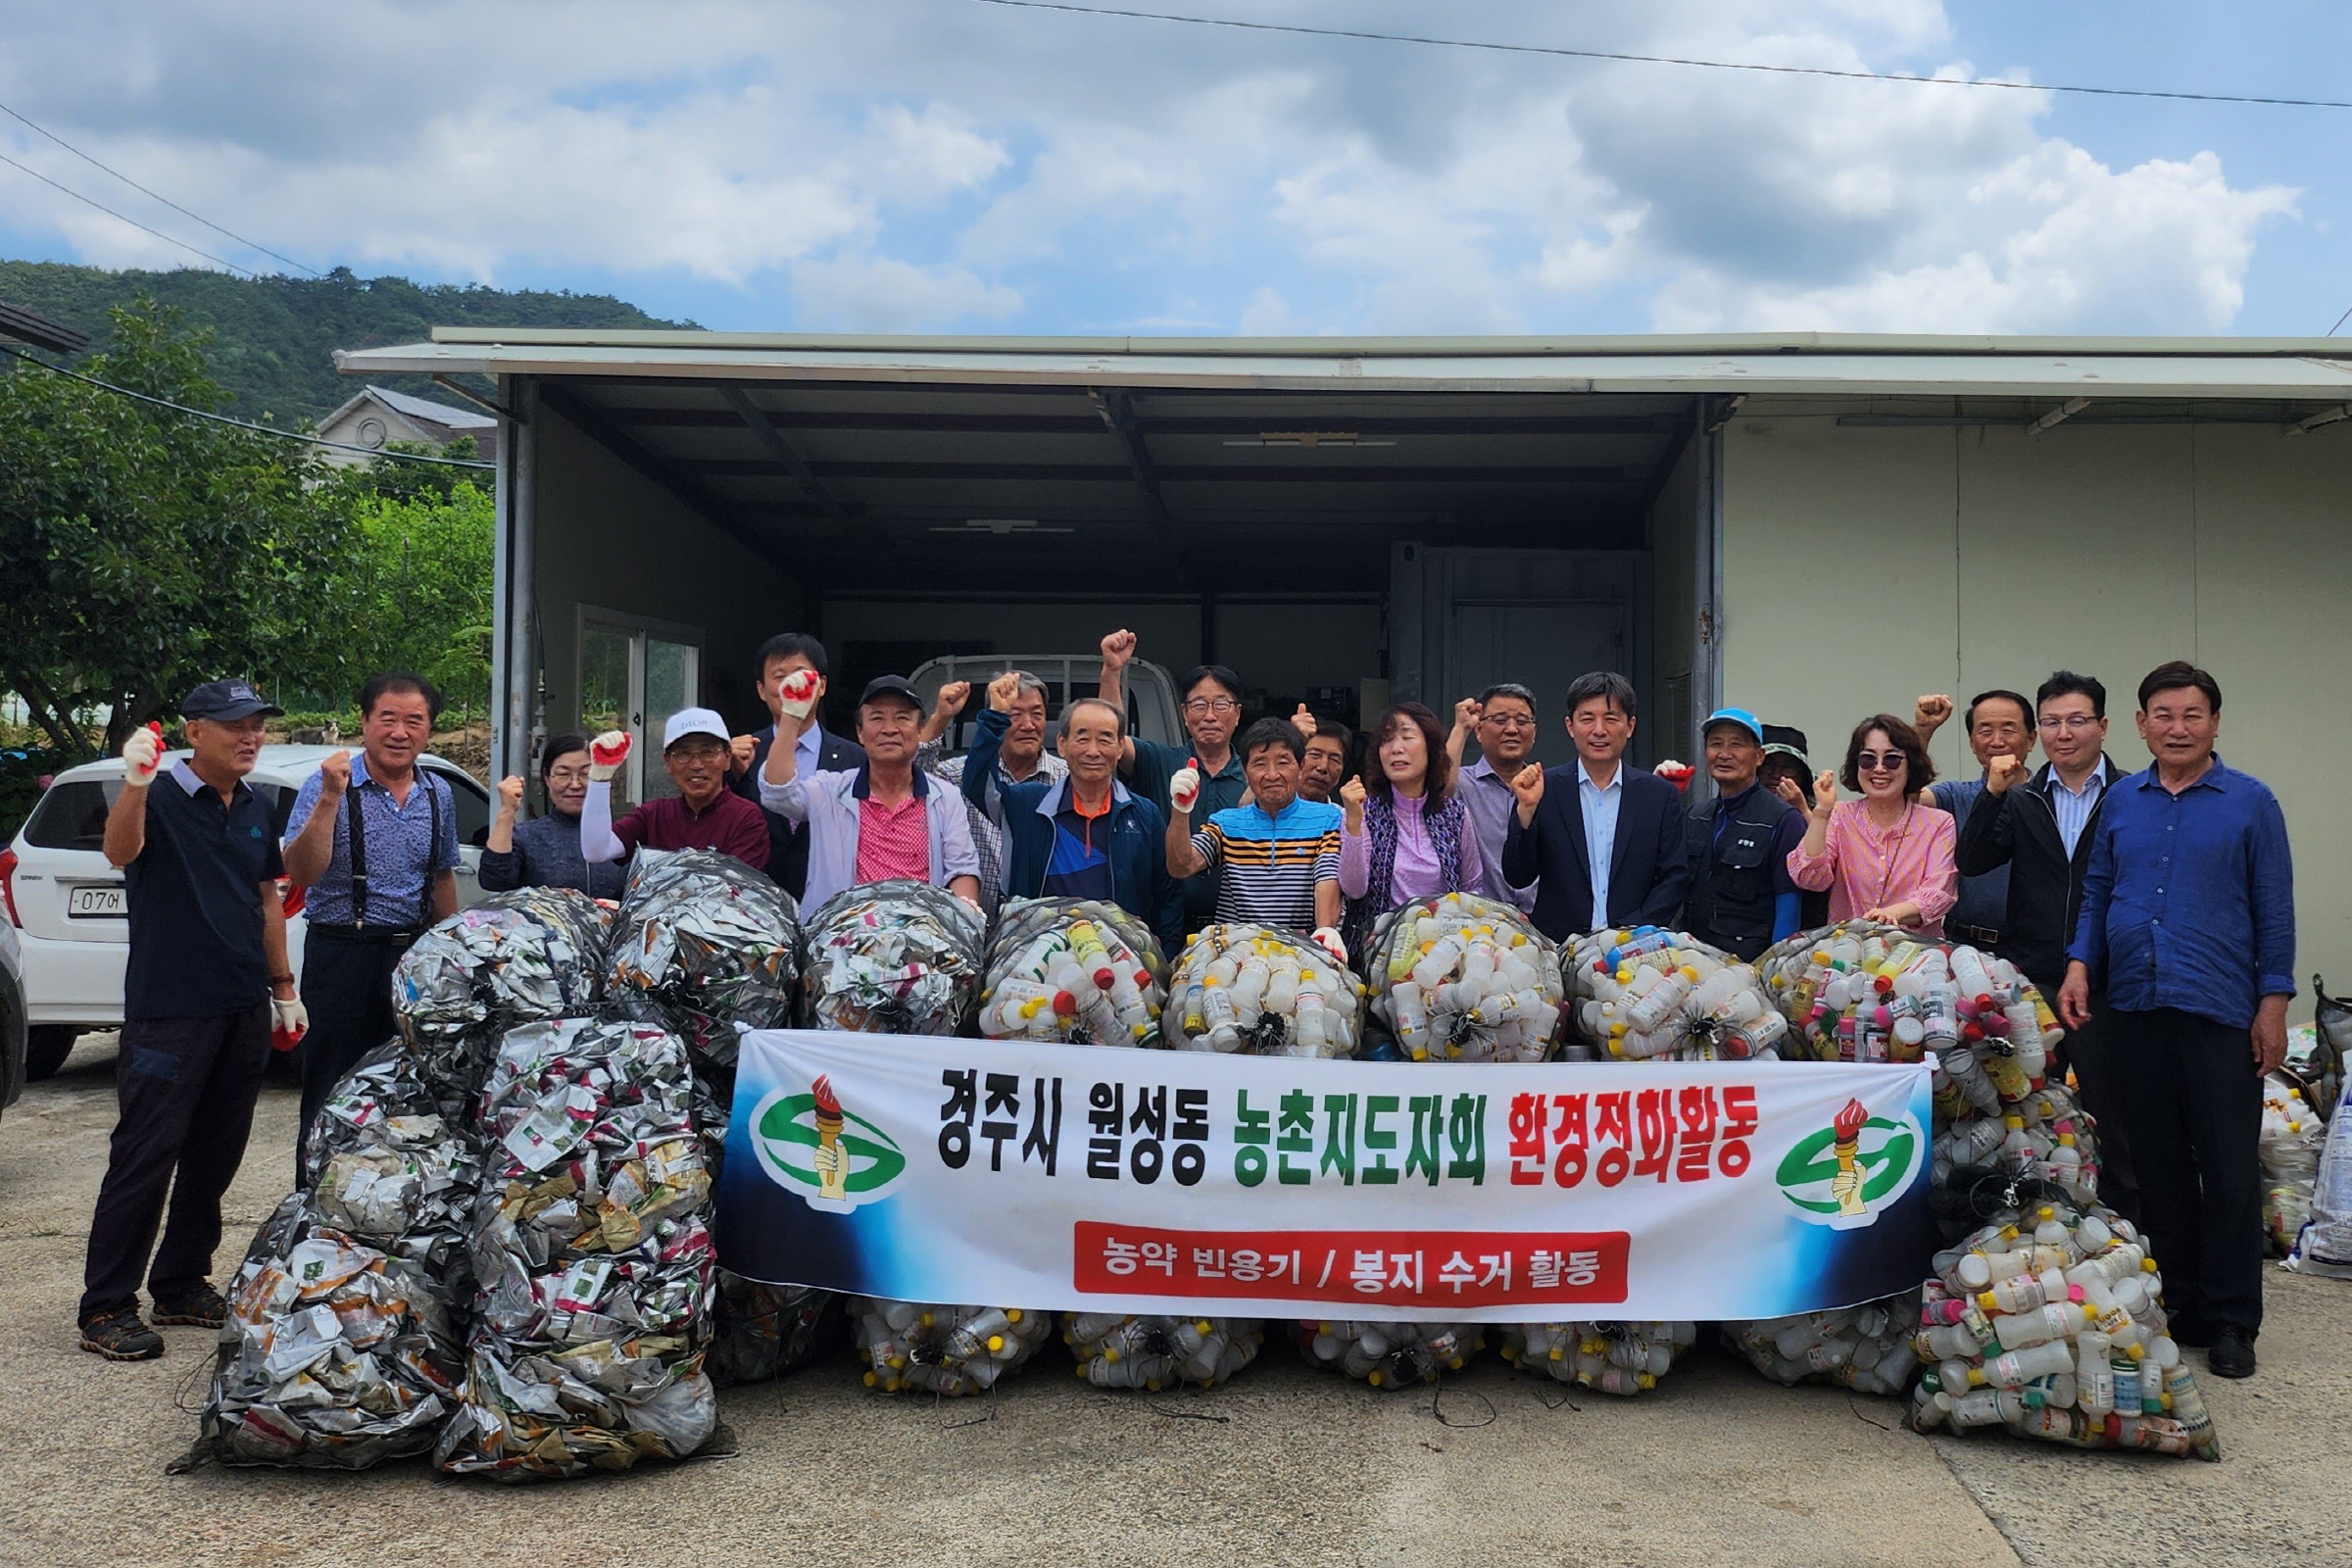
pixel 834 1158
pixel 1843 1175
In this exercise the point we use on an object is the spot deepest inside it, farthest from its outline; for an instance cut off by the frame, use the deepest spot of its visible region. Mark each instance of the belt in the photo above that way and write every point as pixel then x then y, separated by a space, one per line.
pixel 1976 936
pixel 373 936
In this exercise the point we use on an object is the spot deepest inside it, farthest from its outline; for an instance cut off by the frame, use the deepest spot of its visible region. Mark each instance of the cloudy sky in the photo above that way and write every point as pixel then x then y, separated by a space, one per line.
pixel 930 164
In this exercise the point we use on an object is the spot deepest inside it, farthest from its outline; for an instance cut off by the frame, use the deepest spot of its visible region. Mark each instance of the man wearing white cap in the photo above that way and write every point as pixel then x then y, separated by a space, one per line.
pixel 703 816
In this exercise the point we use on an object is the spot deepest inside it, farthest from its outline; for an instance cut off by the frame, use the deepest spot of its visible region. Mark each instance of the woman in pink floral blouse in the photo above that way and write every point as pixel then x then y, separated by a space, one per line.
pixel 1884 856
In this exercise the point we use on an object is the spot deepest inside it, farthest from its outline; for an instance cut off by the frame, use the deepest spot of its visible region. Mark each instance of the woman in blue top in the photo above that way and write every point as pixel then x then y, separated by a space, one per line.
pixel 545 852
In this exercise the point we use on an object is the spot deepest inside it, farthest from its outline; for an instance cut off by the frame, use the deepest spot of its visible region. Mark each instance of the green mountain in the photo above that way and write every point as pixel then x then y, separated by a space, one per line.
pixel 272 337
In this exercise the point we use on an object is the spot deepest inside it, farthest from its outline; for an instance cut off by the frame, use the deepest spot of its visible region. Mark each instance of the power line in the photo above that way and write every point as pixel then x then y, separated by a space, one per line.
pixel 2340 321
pixel 133 221
pixel 241 424
pixel 144 191
pixel 1667 59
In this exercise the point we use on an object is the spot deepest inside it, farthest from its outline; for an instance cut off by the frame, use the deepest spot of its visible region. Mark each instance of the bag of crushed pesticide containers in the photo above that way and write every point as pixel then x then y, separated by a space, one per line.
pixel 1262 991
pixel 932 1347
pixel 2288 1147
pixel 701 944
pixel 1867 1348
pixel 2325 1244
pixel 1456 977
pixel 385 1166
pixel 594 1268
pixel 2051 1323
pixel 536 953
pixel 1073 970
pixel 1653 994
pixel 897 957
pixel 1390 1355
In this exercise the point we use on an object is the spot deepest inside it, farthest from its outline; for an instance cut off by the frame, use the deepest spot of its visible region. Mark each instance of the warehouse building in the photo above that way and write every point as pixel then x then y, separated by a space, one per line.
pixel 1816 527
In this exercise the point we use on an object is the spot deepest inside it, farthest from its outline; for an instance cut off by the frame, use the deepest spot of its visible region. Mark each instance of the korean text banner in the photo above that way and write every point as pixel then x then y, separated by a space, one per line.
pixel 1081 1179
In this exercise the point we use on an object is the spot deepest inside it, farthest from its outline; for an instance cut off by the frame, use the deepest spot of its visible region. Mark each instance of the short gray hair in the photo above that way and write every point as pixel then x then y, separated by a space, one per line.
pixel 1599 684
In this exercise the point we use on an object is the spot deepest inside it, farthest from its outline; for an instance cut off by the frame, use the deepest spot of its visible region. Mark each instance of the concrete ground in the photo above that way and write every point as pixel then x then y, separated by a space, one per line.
pixel 1284 1466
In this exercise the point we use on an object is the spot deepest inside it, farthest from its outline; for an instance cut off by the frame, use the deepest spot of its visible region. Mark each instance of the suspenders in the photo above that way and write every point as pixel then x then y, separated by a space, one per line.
pixel 355 820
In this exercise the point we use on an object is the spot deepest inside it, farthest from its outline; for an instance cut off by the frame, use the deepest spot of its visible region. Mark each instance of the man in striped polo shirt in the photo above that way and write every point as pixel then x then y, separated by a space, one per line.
pixel 1278 856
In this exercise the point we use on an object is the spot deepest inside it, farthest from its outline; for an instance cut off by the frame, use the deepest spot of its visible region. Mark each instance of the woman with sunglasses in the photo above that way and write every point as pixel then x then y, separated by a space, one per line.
pixel 545 852
pixel 1406 835
pixel 1884 856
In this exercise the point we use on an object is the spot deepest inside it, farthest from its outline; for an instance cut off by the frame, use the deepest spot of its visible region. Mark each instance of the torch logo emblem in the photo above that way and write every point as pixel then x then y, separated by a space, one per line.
pixel 1843 1175
pixel 834 1158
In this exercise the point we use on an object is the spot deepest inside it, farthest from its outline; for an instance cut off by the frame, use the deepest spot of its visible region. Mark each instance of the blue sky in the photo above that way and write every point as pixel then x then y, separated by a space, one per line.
pixel 941 165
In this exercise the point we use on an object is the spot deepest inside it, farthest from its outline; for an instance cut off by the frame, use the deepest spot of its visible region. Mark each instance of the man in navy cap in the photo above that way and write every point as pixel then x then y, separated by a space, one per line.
pixel 205 982
pixel 1741 899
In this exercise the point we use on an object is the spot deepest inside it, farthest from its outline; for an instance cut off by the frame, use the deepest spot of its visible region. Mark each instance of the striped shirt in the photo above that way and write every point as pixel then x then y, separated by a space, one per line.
pixel 2074 811
pixel 1268 866
pixel 893 841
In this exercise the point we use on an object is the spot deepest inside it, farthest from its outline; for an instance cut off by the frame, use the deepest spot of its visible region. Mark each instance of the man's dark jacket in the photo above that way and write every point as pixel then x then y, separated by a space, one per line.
pixel 2019 828
pixel 1650 872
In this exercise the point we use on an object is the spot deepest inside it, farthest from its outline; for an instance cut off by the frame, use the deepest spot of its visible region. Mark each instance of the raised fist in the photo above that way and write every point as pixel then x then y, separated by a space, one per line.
pixel 509 793
pixel 741 749
pixel 797 693
pixel 142 755
pixel 952 698
pixel 1352 796
pixel 1003 690
pixel 1184 786
pixel 1118 648
pixel 606 753
pixel 1304 722
pixel 1930 713
pixel 2002 771
pixel 1825 794
pixel 334 776
pixel 1467 714
pixel 1528 785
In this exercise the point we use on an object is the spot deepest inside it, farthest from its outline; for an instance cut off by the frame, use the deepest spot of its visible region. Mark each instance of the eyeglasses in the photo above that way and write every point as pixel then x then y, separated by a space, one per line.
pixel 567 775
pixel 1879 762
pixel 1209 704
pixel 2074 721
pixel 1508 720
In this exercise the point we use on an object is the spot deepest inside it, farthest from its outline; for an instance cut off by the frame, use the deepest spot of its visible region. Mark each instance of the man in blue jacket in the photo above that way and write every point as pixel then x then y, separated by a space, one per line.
pixel 1082 837
pixel 1605 838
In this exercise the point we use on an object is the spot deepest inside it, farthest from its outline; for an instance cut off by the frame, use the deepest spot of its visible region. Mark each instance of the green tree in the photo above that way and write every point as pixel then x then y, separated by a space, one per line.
pixel 418 593
pixel 145 551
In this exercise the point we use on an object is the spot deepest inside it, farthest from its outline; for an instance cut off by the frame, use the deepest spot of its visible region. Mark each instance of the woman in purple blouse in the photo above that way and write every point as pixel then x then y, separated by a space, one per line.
pixel 1404 835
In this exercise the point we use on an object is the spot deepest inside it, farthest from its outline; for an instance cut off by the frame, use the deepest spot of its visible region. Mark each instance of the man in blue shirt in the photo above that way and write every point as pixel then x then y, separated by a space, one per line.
pixel 2189 911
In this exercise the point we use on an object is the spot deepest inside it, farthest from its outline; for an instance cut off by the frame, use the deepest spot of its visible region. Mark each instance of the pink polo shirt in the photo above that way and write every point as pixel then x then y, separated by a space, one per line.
pixel 892 840
pixel 1863 868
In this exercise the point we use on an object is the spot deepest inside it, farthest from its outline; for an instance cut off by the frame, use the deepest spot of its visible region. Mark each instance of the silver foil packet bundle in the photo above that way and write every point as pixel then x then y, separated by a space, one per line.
pixel 516 956
pixel 896 958
pixel 702 943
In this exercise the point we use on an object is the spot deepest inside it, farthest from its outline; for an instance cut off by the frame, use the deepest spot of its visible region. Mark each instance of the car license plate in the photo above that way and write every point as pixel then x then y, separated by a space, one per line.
pixel 94 901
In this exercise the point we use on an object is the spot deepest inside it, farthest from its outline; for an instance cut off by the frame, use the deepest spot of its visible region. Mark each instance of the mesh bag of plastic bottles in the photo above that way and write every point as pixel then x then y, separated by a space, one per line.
pixel 1867 1348
pixel 2050 1322
pixel 703 943
pixel 1622 1358
pixel 897 957
pixel 1073 970
pixel 1151 1354
pixel 2324 1244
pixel 335 1354
pixel 536 953
pixel 933 1347
pixel 1653 994
pixel 1264 992
pixel 1390 1355
pixel 594 1267
pixel 2288 1147
pixel 763 1331
pixel 1455 977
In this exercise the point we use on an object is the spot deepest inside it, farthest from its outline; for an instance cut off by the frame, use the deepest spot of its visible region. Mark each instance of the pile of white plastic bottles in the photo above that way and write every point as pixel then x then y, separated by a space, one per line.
pixel 1622 1358
pixel 1264 992
pixel 2289 1146
pixel 1456 977
pixel 2052 1325
pixel 1390 1355
pixel 935 1348
pixel 1867 1348
pixel 1653 994
pixel 1072 970
pixel 1121 1351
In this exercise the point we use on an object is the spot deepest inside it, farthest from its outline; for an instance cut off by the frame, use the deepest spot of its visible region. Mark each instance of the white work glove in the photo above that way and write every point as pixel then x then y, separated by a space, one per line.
pixel 289 1021
pixel 142 755
pixel 1183 785
pixel 798 693
pixel 1328 939
pixel 606 753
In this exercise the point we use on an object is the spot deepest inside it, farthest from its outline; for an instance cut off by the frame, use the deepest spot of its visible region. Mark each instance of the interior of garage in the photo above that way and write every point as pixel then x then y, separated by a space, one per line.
pixel 1342 547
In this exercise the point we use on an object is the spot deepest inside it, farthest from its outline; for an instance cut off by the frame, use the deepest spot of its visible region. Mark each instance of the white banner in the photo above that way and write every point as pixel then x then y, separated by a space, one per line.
pixel 1083 1179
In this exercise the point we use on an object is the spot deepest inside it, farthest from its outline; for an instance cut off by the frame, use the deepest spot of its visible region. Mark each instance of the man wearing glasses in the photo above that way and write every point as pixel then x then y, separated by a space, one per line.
pixel 1999 724
pixel 1502 720
pixel 1211 700
pixel 2040 830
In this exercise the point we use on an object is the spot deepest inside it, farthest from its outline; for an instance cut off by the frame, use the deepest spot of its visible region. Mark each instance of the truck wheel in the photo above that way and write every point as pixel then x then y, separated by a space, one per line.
pixel 46 1048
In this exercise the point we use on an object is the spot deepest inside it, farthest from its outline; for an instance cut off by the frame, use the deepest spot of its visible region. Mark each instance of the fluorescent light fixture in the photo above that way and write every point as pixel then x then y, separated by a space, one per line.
pixel 1308 438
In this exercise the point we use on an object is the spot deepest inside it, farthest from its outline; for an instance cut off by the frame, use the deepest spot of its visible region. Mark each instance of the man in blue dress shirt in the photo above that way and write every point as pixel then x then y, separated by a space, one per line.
pixel 2189 911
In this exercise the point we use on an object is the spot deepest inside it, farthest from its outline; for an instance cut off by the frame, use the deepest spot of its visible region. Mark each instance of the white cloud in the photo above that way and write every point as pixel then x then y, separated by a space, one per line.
pixel 930 163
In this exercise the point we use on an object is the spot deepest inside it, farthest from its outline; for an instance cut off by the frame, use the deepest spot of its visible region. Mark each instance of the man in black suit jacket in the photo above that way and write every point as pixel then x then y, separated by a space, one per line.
pixel 1631 817
pixel 792 684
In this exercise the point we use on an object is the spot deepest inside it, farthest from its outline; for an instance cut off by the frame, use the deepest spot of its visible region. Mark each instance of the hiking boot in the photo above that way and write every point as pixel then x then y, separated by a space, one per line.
pixel 120 1335
pixel 198 1307
pixel 2232 1352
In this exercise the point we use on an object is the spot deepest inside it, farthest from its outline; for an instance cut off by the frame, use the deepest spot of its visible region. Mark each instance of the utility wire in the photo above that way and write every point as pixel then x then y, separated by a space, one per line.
pixel 1666 60
pixel 241 424
pixel 157 195
pixel 133 221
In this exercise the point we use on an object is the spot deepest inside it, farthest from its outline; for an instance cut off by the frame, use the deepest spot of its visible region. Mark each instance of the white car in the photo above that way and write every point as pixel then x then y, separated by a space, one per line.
pixel 67 903
pixel 12 1015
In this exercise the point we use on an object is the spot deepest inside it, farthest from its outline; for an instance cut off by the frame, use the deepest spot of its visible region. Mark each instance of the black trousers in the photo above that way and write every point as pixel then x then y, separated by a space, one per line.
pixel 347 987
pixel 2193 1105
pixel 2101 1064
pixel 185 1088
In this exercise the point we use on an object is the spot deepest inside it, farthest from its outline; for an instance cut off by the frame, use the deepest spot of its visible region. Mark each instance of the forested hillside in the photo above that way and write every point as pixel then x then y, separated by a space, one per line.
pixel 272 337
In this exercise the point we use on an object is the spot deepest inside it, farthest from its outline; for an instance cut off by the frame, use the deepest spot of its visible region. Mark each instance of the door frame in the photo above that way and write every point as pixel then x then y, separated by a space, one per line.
pixel 637 628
